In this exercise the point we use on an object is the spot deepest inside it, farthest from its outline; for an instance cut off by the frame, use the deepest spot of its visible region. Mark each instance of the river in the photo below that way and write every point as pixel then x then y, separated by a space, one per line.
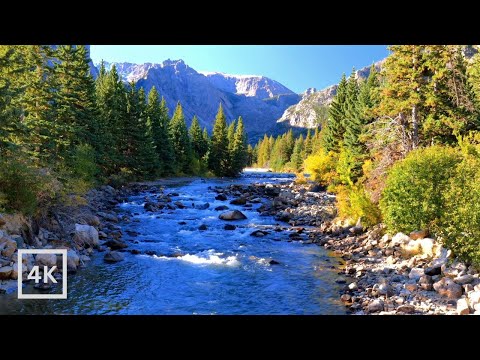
pixel 218 272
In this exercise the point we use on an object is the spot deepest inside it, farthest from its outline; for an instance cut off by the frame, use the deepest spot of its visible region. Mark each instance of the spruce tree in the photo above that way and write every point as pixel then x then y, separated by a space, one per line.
pixel 217 161
pixel 239 149
pixel 197 139
pixel 180 141
pixel 297 155
pixel 334 130
pixel 166 151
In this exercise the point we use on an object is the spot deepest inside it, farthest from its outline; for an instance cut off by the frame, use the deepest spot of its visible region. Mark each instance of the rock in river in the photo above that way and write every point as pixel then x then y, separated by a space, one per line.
pixel 85 235
pixel 229 227
pixel 221 208
pixel 239 201
pixel 113 257
pixel 221 197
pixel 232 215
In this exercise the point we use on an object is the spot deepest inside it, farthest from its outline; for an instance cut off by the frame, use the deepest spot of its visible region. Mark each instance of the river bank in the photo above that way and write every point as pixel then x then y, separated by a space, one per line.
pixel 383 274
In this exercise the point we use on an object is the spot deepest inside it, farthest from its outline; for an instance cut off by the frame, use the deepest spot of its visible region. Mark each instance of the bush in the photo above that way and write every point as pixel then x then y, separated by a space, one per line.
pixel 321 168
pixel 23 187
pixel 353 203
pixel 413 195
pixel 459 228
pixel 300 179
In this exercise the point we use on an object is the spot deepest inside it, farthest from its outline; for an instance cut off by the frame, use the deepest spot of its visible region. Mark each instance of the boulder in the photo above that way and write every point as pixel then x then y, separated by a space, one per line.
pixel 416 273
pixel 447 287
pixel 113 257
pixel 221 208
pixel 406 309
pixel 5 272
pixel 73 260
pixel 433 270
pixel 462 307
pixel 426 282
pixel 239 201
pixel 202 227
pixel 229 227
pixel 258 233
pixel 115 244
pixel 9 247
pixel 46 260
pixel 221 197
pixel 203 206
pixel 465 279
pixel 400 239
pixel 273 262
pixel 232 215
pixel 91 220
pixel 419 234
pixel 85 235
pixel 108 217
pixel 375 306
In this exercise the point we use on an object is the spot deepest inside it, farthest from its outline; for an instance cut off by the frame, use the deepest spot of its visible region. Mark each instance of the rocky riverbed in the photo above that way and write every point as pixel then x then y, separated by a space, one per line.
pixel 377 273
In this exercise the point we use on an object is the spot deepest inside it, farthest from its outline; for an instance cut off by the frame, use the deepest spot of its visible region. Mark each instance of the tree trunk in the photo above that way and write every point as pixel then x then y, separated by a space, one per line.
pixel 415 127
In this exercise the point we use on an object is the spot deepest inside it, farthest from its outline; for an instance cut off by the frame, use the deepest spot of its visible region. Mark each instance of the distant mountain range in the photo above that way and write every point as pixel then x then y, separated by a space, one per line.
pixel 265 105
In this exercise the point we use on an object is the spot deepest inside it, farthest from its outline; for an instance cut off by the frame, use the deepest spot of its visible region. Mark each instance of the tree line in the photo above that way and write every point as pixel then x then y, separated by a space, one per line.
pixel 56 117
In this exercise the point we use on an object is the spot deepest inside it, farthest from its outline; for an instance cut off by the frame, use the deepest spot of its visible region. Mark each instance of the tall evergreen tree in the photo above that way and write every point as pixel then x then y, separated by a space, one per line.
pixel 180 141
pixel 298 154
pixel 217 161
pixel 239 149
pixel 334 130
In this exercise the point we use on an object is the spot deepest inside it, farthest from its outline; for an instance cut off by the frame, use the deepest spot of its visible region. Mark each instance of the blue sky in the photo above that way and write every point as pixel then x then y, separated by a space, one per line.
pixel 298 67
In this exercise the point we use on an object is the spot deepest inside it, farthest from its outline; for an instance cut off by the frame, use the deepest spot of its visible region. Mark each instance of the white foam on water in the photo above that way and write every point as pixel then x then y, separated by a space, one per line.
pixel 208 257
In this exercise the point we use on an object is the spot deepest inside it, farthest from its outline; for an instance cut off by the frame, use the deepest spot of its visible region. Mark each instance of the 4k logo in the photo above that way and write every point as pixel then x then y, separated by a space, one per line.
pixel 47 277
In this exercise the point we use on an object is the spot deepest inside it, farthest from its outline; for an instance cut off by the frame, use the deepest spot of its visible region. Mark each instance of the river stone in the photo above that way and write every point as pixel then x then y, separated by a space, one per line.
pixel 73 260
pixel 5 272
pixel 9 247
pixel 221 208
pixel 202 227
pixel 433 270
pixel 113 257
pixel 202 206
pixel 91 220
pixel 239 201
pixel 447 287
pixel 232 215
pixel 419 234
pixel 85 235
pixel 462 307
pixel 406 309
pixel 115 244
pixel 258 233
pixel 375 306
pixel 229 227
pixel 46 260
pixel 416 273
pixel 107 216
pixel 465 279
pixel 221 197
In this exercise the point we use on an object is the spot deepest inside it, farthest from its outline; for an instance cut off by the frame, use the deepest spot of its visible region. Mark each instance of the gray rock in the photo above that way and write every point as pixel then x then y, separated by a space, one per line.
pixel 91 220
pixel 433 270
pixel 202 227
pixel 9 247
pixel 462 307
pixel 86 235
pixel 221 208
pixel 107 216
pixel 232 215
pixel 46 260
pixel 239 201
pixel 116 244
pixel 258 233
pixel 73 260
pixel 426 282
pixel 113 257
pixel 221 197
pixel 406 309
pixel 447 287
pixel 353 286
pixel 5 272
pixel 465 279
pixel 203 206
pixel 375 306
pixel 416 273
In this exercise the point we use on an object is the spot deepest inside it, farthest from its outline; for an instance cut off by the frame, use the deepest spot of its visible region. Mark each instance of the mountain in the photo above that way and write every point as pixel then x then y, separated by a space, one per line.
pixel 313 103
pixel 258 99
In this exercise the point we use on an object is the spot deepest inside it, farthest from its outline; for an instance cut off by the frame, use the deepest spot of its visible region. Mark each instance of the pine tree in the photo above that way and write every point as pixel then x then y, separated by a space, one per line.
pixel 111 105
pixel 308 144
pixel 334 130
pixel 74 102
pixel 166 151
pixel 298 154
pixel 196 138
pixel 219 145
pixel 180 141
pixel 239 149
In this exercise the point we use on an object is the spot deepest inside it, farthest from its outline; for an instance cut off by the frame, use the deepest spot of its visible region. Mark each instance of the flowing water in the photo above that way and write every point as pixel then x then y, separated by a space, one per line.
pixel 218 272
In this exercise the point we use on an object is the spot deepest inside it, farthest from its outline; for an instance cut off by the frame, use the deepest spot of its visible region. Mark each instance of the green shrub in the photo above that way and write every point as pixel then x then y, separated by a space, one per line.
pixel 459 228
pixel 413 195
pixel 353 203
pixel 25 188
